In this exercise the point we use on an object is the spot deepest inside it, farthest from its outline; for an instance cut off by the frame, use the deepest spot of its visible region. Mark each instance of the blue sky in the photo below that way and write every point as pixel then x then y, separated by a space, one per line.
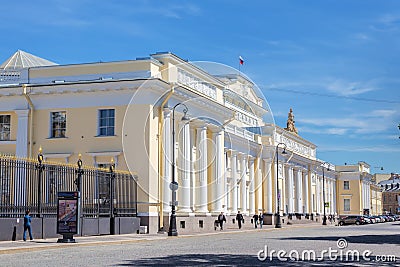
pixel 336 63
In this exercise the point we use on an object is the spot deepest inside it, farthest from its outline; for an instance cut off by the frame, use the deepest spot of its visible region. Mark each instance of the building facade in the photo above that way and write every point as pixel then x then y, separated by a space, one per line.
pixel 165 118
pixel 357 193
pixel 391 194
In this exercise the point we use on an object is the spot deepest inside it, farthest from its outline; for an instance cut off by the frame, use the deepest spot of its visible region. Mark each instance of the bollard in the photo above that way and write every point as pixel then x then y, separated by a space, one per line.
pixel 14 235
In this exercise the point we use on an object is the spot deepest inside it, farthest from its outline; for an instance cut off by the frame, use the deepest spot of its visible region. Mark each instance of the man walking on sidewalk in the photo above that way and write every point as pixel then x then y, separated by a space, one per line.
pixel 239 219
pixel 27 225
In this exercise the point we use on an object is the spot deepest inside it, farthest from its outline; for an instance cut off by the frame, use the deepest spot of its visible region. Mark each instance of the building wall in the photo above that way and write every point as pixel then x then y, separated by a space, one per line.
pixel 353 193
pixel 390 202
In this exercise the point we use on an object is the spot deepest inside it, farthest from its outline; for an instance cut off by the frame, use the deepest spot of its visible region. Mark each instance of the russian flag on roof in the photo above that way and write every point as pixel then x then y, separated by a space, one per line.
pixel 241 61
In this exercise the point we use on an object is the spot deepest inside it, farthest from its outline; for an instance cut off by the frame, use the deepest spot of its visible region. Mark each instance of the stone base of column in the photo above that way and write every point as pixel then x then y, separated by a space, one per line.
pixel 202 214
pixel 216 213
pixel 185 213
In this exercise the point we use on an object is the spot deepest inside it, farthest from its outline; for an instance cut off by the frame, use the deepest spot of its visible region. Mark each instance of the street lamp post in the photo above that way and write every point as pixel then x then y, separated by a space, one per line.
pixel 40 168
pixel 172 231
pixel 278 215
pixel 78 183
pixel 79 172
pixel 112 215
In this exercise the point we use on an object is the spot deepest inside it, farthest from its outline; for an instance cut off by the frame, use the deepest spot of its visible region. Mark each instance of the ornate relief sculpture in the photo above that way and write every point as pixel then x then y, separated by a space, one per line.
pixel 290 123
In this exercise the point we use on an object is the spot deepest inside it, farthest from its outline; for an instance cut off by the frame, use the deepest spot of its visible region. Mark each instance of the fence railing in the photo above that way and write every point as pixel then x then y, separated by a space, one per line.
pixel 30 184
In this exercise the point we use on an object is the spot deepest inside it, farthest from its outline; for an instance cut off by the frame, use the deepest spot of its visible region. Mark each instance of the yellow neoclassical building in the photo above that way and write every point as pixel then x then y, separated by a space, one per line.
pixel 207 126
pixel 357 191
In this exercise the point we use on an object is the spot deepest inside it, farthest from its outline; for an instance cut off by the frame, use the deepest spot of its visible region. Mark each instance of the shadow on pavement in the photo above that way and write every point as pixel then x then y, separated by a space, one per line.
pixel 238 260
pixel 363 239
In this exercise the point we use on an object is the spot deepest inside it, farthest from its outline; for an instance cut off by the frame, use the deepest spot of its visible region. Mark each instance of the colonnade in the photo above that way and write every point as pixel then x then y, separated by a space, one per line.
pixel 366 195
pixel 330 195
pixel 213 178
pixel 200 166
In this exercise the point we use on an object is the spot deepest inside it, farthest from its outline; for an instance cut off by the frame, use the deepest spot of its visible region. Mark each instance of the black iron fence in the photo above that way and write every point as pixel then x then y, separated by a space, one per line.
pixel 34 184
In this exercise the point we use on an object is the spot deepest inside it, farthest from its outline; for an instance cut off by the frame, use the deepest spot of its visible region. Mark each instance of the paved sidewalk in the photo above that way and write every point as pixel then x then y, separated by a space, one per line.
pixel 51 243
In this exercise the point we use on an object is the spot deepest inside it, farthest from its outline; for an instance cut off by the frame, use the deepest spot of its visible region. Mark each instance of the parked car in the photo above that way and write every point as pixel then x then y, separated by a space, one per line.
pixel 371 219
pixel 377 219
pixel 352 219
pixel 367 219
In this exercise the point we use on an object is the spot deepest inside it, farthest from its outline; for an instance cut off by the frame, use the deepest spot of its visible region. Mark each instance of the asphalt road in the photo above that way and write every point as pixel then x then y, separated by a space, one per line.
pixel 376 242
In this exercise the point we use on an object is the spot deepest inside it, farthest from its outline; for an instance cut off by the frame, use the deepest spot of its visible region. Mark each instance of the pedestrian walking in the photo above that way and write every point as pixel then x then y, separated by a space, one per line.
pixel 255 218
pixel 27 225
pixel 261 219
pixel 221 219
pixel 239 219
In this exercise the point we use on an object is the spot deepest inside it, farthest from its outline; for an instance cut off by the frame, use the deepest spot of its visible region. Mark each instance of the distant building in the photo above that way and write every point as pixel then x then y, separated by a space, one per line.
pixel 357 193
pixel 379 177
pixel 391 194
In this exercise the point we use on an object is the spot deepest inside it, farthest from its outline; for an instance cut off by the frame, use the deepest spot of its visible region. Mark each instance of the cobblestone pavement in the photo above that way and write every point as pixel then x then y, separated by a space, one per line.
pixel 375 242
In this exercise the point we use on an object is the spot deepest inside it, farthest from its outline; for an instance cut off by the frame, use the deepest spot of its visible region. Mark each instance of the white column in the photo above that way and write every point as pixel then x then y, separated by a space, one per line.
pixel 22 134
pixel 202 169
pixel 299 189
pixel 257 185
pixel 167 160
pixel 306 192
pixel 21 151
pixel 334 197
pixel 282 188
pixel 331 206
pixel 268 186
pixel 225 183
pixel 290 190
pixel 362 195
pixel 234 189
pixel 219 171
pixel 318 193
pixel 243 193
pixel 252 207
pixel 185 171
pixel 328 193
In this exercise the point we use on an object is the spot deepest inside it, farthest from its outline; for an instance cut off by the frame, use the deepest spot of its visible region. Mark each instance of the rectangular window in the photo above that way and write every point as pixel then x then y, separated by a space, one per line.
pixel 346 205
pixel 5 123
pixel 346 185
pixel 58 124
pixel 106 122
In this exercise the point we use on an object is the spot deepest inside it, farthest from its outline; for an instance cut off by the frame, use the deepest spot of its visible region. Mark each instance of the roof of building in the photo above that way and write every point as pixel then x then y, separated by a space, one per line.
pixel 22 60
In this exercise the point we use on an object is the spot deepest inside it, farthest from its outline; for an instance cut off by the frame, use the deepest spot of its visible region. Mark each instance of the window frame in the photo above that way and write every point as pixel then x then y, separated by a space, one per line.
pixel 346 183
pixel 3 132
pixel 344 204
pixel 109 130
pixel 63 131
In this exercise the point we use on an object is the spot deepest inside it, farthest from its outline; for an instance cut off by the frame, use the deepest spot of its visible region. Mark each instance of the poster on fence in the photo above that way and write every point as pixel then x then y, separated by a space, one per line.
pixel 67 212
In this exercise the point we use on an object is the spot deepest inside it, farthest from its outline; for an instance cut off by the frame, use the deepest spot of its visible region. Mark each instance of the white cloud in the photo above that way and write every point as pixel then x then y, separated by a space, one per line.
pixel 387 23
pixel 344 88
pixel 362 37
pixel 337 131
pixel 349 148
pixel 319 130
pixel 372 122
pixel 382 113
